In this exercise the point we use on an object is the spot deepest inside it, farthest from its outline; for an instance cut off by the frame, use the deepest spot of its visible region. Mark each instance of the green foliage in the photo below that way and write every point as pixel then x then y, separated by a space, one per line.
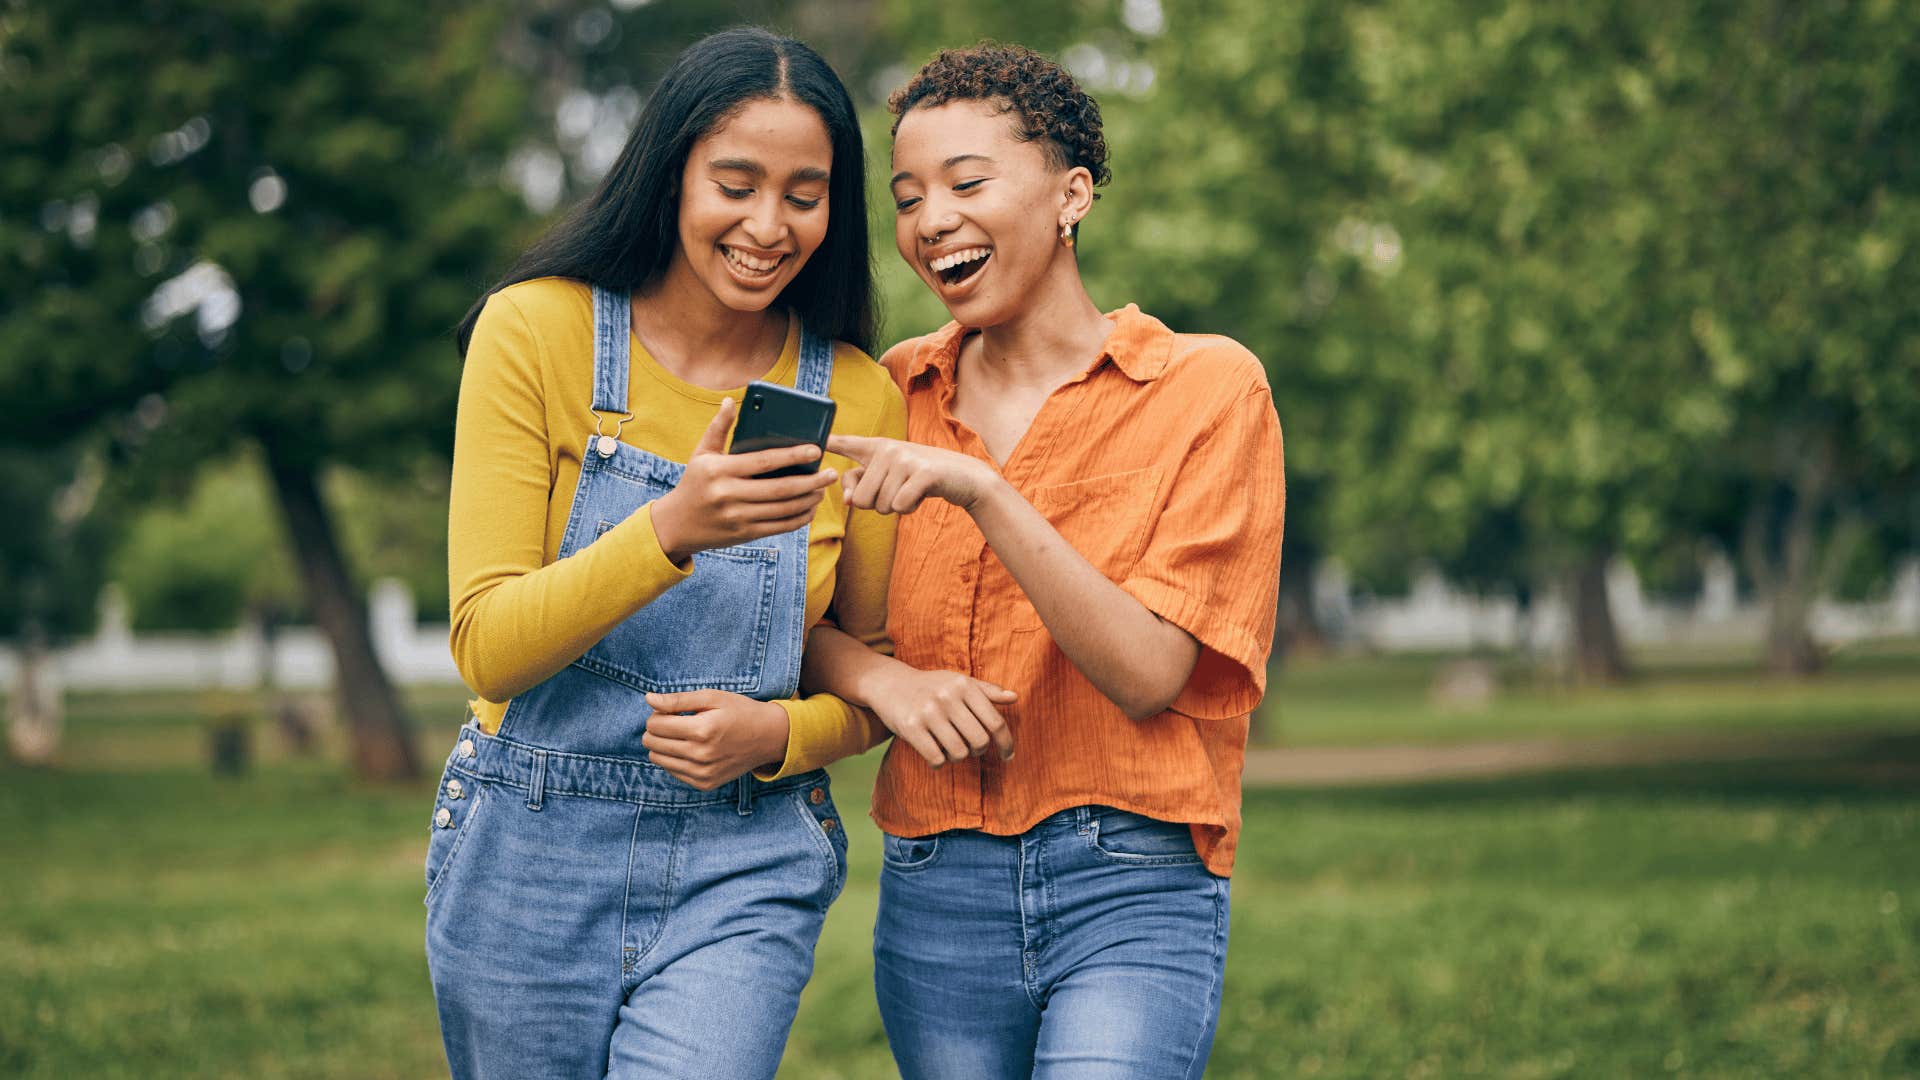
pixel 1529 280
pixel 339 164
pixel 204 562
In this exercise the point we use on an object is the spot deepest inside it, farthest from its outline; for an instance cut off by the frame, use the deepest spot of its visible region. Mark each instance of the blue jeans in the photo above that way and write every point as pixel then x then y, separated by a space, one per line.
pixel 1091 946
pixel 590 916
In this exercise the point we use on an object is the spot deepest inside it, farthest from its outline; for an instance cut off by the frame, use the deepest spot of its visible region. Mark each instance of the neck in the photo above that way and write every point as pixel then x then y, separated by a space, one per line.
pixel 701 340
pixel 1052 337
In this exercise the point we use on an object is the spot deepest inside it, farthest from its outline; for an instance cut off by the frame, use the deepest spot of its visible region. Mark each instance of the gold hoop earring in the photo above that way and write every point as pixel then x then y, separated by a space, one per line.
pixel 1066 234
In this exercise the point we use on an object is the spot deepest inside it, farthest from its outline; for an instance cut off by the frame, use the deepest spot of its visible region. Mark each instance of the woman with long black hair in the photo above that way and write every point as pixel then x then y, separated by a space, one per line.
pixel 633 847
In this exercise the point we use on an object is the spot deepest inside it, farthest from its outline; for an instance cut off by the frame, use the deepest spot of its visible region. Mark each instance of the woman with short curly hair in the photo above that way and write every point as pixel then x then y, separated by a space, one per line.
pixel 1087 568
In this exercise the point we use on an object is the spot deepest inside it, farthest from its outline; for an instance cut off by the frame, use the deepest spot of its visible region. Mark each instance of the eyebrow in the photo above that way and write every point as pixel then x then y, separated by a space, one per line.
pixel 947 164
pixel 757 170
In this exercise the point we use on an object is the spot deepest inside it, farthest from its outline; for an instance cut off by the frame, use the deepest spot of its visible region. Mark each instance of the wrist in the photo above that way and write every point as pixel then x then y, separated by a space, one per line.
pixel 883 680
pixel 773 729
pixel 988 493
pixel 666 530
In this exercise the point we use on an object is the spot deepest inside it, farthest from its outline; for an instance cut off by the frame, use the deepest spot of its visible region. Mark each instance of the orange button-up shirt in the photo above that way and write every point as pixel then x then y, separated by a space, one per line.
pixel 1161 465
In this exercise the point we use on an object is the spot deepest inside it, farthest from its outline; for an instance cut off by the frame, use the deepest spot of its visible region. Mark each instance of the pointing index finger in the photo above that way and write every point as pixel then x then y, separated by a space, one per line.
pixel 858 447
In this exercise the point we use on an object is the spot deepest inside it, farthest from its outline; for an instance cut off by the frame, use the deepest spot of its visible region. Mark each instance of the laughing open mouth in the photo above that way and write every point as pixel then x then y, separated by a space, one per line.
pixel 960 265
pixel 751 265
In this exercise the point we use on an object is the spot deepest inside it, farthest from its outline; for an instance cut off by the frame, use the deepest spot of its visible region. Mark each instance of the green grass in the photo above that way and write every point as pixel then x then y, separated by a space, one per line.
pixel 1384 699
pixel 1704 922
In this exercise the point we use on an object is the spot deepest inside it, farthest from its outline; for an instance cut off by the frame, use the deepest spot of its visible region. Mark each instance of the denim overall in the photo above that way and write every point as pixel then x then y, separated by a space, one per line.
pixel 588 914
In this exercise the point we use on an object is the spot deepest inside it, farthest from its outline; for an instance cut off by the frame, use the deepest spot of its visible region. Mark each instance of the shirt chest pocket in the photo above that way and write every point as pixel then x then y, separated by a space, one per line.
pixel 1106 519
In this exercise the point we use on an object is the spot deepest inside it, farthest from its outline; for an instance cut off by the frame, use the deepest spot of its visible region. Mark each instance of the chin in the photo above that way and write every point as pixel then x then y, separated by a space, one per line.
pixel 982 311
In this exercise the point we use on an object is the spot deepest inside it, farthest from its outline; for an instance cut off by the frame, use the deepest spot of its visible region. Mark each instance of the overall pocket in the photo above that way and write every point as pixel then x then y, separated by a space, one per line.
pixel 710 631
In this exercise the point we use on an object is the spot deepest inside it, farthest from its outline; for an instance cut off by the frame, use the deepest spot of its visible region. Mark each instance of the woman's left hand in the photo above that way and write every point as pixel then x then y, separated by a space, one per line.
pixel 707 738
pixel 894 477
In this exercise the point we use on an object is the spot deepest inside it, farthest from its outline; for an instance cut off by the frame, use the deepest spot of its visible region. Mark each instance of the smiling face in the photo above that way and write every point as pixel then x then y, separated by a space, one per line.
pixel 753 202
pixel 978 210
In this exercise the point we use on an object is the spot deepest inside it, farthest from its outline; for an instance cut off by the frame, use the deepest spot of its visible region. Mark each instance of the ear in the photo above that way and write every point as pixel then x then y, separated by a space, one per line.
pixel 1076 195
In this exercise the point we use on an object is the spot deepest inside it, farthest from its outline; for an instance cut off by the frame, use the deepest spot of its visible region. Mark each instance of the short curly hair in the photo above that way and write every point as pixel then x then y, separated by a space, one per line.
pixel 1050 105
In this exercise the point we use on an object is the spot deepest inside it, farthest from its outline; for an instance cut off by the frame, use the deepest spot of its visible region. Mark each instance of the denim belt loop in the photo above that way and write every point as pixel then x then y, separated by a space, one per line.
pixel 538 789
pixel 746 795
pixel 1083 819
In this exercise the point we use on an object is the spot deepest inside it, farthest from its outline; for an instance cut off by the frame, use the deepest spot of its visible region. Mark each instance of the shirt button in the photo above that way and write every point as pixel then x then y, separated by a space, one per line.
pixel 455 790
pixel 466 748
pixel 816 796
pixel 443 818
pixel 829 825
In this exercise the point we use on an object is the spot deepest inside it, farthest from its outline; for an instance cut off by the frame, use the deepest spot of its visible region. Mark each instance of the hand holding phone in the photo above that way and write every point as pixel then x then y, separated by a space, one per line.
pixel 776 416
pixel 731 498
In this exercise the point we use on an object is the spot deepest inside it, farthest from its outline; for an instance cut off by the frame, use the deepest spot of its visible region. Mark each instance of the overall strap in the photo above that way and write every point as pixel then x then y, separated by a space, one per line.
pixel 612 325
pixel 816 363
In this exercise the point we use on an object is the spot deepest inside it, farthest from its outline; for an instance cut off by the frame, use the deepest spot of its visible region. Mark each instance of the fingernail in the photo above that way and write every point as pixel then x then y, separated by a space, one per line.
pixel 1008 756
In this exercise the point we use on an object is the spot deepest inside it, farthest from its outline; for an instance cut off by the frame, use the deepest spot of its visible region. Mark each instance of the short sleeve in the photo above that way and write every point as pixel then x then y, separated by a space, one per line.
pixel 1212 562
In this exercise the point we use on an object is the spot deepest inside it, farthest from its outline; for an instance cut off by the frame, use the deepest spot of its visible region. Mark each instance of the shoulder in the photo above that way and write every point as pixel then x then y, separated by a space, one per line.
pixel 1228 368
pixel 864 392
pixel 899 360
pixel 547 304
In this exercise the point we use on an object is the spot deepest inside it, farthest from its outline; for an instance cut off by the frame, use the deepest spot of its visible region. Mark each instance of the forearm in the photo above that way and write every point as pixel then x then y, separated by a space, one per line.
pixel 1133 656
pixel 837 663
pixel 514 626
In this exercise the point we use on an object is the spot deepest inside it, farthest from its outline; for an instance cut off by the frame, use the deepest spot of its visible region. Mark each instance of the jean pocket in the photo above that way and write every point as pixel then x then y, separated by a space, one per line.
pixel 909 852
pixel 459 802
pixel 1137 840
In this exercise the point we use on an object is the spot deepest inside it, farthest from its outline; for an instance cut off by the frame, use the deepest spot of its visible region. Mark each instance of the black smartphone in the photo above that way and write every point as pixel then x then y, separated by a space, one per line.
pixel 773 416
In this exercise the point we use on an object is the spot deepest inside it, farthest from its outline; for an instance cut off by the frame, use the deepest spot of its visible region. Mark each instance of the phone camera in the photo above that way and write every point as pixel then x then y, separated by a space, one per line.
pixel 756 405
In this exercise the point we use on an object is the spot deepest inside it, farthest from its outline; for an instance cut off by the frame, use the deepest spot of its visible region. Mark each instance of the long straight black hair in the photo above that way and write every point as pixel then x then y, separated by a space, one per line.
pixel 623 235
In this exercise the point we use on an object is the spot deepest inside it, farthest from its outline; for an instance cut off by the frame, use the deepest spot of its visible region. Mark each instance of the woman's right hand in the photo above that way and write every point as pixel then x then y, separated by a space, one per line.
pixel 944 715
pixel 718 503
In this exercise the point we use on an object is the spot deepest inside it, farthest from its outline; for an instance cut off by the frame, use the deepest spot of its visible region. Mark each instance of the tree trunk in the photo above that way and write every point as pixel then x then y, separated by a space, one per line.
pixel 1791 649
pixel 35 711
pixel 1792 574
pixel 1597 656
pixel 379 736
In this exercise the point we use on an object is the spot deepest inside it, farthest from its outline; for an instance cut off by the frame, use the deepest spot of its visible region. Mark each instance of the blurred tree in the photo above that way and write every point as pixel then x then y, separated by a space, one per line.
pixel 256 224
pixel 1804 226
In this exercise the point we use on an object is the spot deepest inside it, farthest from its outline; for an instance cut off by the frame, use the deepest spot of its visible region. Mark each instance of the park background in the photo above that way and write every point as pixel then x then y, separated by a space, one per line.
pixel 1592 746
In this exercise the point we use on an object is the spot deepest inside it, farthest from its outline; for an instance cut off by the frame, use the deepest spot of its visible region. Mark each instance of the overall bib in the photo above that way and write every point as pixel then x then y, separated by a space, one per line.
pixel 588 914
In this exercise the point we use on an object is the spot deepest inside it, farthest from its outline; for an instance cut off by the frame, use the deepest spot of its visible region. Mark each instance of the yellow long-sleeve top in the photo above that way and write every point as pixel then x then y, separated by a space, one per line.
pixel 520 615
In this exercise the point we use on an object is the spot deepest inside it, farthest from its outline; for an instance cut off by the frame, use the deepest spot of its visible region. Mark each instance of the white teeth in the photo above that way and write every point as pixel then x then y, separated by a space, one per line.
pixel 948 262
pixel 748 262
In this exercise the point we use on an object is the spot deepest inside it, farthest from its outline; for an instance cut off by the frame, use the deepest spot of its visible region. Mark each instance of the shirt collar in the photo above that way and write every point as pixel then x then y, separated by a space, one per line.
pixel 1140 346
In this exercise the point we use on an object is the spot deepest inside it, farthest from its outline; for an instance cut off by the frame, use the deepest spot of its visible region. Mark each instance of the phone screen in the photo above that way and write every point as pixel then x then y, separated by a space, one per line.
pixel 774 416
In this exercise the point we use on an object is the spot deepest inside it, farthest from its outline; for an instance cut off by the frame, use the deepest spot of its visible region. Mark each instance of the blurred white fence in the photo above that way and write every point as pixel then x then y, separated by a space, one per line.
pixel 114 658
pixel 1436 616
pixel 1433 616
